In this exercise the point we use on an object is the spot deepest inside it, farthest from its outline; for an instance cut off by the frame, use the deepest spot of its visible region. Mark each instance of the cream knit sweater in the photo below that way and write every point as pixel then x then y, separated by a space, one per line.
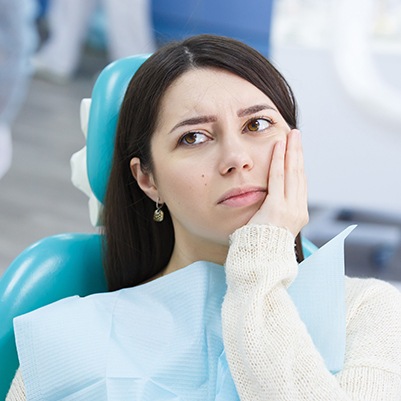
pixel 269 350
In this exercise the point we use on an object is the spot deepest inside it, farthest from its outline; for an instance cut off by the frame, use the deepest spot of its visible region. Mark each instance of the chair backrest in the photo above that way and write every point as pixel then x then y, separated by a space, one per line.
pixel 107 96
pixel 69 264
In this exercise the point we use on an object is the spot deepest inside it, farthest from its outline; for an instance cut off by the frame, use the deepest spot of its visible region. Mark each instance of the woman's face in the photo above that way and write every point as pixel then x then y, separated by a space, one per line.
pixel 211 154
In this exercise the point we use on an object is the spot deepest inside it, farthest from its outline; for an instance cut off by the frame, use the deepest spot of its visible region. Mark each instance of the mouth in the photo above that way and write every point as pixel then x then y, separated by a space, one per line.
pixel 240 197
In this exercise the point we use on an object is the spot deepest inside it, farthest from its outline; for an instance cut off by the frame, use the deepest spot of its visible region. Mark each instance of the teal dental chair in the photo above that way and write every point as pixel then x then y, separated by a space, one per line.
pixel 70 264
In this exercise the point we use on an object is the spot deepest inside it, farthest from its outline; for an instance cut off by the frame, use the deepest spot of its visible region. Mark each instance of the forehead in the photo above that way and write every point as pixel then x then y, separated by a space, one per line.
pixel 200 81
pixel 203 89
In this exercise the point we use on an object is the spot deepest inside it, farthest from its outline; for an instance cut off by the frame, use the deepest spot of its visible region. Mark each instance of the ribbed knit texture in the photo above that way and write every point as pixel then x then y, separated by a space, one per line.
pixel 17 390
pixel 270 353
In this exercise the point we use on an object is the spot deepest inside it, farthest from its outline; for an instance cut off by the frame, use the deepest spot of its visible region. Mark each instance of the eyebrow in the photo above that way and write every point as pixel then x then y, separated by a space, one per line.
pixel 212 119
pixel 195 121
pixel 254 109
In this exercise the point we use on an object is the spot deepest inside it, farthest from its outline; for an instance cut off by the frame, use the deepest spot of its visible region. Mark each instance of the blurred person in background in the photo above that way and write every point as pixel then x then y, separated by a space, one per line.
pixel 17 43
pixel 128 29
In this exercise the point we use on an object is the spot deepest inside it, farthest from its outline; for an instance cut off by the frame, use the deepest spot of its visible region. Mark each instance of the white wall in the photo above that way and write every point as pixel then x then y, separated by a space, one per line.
pixel 353 156
pixel 342 58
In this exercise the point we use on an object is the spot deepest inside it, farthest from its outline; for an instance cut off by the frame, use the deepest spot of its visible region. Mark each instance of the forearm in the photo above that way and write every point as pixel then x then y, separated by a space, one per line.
pixel 269 350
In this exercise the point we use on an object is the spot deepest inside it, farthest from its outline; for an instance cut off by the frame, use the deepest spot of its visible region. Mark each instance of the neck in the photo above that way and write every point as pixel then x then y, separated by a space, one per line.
pixel 186 252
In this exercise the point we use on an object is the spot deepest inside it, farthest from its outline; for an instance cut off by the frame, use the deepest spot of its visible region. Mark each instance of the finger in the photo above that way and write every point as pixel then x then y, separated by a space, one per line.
pixel 276 173
pixel 292 164
pixel 301 171
pixel 300 168
pixel 302 189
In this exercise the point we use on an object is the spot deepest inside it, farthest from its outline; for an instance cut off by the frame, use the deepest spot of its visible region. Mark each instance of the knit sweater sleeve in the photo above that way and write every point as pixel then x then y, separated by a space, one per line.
pixel 17 389
pixel 269 351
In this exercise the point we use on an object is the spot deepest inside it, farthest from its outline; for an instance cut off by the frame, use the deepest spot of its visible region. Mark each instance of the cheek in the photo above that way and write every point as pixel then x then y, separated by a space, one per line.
pixel 182 186
pixel 281 136
pixel 188 199
pixel 204 180
pixel 264 157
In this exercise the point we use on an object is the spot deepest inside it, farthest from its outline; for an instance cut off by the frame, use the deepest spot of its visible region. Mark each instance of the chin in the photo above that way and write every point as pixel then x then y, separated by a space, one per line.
pixel 236 225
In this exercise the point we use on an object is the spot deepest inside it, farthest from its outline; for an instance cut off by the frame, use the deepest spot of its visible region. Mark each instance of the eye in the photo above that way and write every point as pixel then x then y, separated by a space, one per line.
pixel 258 124
pixel 193 138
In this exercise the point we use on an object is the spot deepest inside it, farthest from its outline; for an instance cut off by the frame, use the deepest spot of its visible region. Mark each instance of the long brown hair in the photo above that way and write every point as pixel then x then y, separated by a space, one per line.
pixel 137 248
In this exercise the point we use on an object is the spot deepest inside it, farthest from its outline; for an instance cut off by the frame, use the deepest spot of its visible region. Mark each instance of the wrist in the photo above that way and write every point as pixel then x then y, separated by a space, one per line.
pixel 260 254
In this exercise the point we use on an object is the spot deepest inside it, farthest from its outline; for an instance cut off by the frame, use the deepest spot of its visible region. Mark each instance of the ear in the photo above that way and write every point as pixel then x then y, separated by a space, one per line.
pixel 145 180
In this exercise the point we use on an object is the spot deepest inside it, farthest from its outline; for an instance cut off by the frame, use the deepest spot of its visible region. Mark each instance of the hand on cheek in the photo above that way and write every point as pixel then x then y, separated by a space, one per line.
pixel 286 202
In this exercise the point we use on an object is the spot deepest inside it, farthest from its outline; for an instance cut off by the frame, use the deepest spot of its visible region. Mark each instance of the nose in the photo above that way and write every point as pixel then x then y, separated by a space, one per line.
pixel 235 156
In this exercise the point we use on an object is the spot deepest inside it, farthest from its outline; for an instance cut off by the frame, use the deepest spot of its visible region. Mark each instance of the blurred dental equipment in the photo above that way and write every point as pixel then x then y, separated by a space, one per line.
pixel 342 59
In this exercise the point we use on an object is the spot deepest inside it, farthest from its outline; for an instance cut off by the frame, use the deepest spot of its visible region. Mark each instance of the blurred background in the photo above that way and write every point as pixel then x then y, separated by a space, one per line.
pixel 341 57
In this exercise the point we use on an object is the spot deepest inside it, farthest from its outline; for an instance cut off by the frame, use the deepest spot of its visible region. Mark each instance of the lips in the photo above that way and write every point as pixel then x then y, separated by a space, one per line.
pixel 242 196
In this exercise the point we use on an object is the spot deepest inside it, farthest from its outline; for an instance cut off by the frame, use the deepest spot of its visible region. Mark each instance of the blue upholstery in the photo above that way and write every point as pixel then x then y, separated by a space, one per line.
pixel 107 96
pixel 53 268
pixel 308 247
pixel 69 264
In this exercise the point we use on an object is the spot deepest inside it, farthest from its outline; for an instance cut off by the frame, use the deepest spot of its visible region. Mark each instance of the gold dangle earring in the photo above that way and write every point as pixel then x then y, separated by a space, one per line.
pixel 158 214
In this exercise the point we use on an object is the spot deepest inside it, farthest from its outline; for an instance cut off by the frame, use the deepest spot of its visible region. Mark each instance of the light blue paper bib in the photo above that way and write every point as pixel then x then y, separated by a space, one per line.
pixel 162 340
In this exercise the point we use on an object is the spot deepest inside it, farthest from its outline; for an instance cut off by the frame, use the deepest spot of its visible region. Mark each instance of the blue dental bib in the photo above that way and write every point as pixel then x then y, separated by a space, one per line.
pixel 162 340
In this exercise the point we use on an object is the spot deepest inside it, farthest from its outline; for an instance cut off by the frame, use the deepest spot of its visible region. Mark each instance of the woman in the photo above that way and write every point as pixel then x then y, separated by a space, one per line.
pixel 208 167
